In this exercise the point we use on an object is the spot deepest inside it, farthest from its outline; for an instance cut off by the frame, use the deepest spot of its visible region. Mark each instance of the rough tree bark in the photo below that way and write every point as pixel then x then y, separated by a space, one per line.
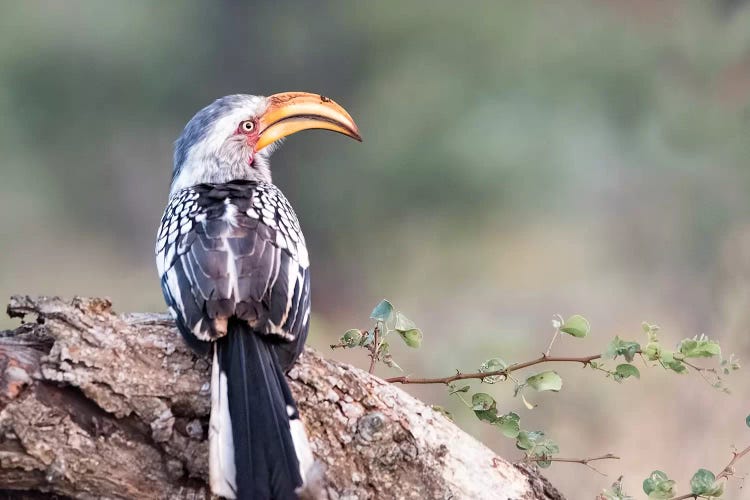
pixel 99 405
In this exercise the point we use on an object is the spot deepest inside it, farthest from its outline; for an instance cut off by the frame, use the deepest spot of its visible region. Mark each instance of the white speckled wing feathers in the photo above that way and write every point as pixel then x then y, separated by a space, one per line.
pixel 235 249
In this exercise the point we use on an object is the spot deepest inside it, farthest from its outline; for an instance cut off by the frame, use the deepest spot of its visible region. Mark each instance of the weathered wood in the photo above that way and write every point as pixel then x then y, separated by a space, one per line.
pixel 99 405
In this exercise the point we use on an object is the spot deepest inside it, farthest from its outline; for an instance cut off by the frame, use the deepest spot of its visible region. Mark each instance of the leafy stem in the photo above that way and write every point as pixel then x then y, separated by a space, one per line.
pixel 505 372
pixel 725 473
pixel 535 444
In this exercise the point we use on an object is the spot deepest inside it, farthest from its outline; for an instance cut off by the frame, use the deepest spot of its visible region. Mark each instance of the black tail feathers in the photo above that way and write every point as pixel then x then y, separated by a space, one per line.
pixel 260 406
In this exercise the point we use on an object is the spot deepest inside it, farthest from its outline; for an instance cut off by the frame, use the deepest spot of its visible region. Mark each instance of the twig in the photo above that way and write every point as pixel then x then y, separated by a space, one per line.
pixel 726 472
pixel 729 469
pixel 582 461
pixel 374 350
pixel 703 371
pixel 504 372
pixel 544 358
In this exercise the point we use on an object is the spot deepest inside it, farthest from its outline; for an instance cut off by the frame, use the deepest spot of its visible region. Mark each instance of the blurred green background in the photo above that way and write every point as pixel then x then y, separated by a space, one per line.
pixel 521 159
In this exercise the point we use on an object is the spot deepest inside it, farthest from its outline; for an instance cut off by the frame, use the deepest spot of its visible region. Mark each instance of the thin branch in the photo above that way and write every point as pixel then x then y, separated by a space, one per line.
pixel 582 461
pixel 726 472
pixel 729 469
pixel 585 360
pixel 544 358
pixel 703 371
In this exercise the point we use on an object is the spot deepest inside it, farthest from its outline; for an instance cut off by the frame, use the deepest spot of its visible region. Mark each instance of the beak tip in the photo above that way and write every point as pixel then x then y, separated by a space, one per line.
pixel 354 132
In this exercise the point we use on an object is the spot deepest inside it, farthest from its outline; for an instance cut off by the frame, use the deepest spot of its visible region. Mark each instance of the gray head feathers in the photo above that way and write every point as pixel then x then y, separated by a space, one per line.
pixel 209 151
pixel 200 124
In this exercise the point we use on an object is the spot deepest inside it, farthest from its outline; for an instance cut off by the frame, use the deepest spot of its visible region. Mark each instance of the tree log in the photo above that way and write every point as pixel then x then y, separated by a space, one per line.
pixel 99 405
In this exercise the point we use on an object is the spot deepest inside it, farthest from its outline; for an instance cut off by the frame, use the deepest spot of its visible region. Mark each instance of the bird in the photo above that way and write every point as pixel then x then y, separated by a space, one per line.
pixel 235 274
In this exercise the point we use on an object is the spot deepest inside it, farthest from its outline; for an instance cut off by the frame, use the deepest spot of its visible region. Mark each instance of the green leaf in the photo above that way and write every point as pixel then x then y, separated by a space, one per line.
pixel 523 442
pixel 493 365
pixel 658 486
pixel 482 402
pixel 369 338
pixel 624 371
pixel 652 351
pixel 382 311
pixel 547 448
pixel 703 483
pixel 543 449
pixel 489 416
pixel 509 424
pixel 384 348
pixel 403 324
pixel 527 440
pixel 669 362
pixel 454 390
pixel 535 436
pixel 484 407
pixel 577 326
pixel 678 367
pixel 700 347
pixel 619 347
pixel 351 338
pixel 412 338
pixel 545 381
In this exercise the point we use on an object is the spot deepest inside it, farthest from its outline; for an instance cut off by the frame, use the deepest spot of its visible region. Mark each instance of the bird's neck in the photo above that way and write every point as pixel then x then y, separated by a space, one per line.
pixel 218 172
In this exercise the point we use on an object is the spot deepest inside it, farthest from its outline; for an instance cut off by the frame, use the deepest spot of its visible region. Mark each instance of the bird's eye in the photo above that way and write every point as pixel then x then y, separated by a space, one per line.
pixel 247 126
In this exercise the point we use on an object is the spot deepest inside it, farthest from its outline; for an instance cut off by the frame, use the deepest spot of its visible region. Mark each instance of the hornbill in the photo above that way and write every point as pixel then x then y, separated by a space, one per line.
pixel 234 271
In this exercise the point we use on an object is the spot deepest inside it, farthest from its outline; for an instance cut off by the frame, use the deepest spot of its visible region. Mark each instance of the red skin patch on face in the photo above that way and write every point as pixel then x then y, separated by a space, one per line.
pixel 251 137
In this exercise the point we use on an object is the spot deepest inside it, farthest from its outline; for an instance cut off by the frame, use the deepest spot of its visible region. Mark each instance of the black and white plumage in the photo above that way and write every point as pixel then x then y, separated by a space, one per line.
pixel 235 249
pixel 234 270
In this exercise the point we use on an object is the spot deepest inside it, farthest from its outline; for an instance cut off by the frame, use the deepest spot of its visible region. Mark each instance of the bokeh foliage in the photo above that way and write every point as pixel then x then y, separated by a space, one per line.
pixel 520 158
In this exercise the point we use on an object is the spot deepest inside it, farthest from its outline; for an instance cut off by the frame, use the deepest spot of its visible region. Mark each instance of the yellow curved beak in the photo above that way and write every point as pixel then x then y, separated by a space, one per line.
pixel 291 112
